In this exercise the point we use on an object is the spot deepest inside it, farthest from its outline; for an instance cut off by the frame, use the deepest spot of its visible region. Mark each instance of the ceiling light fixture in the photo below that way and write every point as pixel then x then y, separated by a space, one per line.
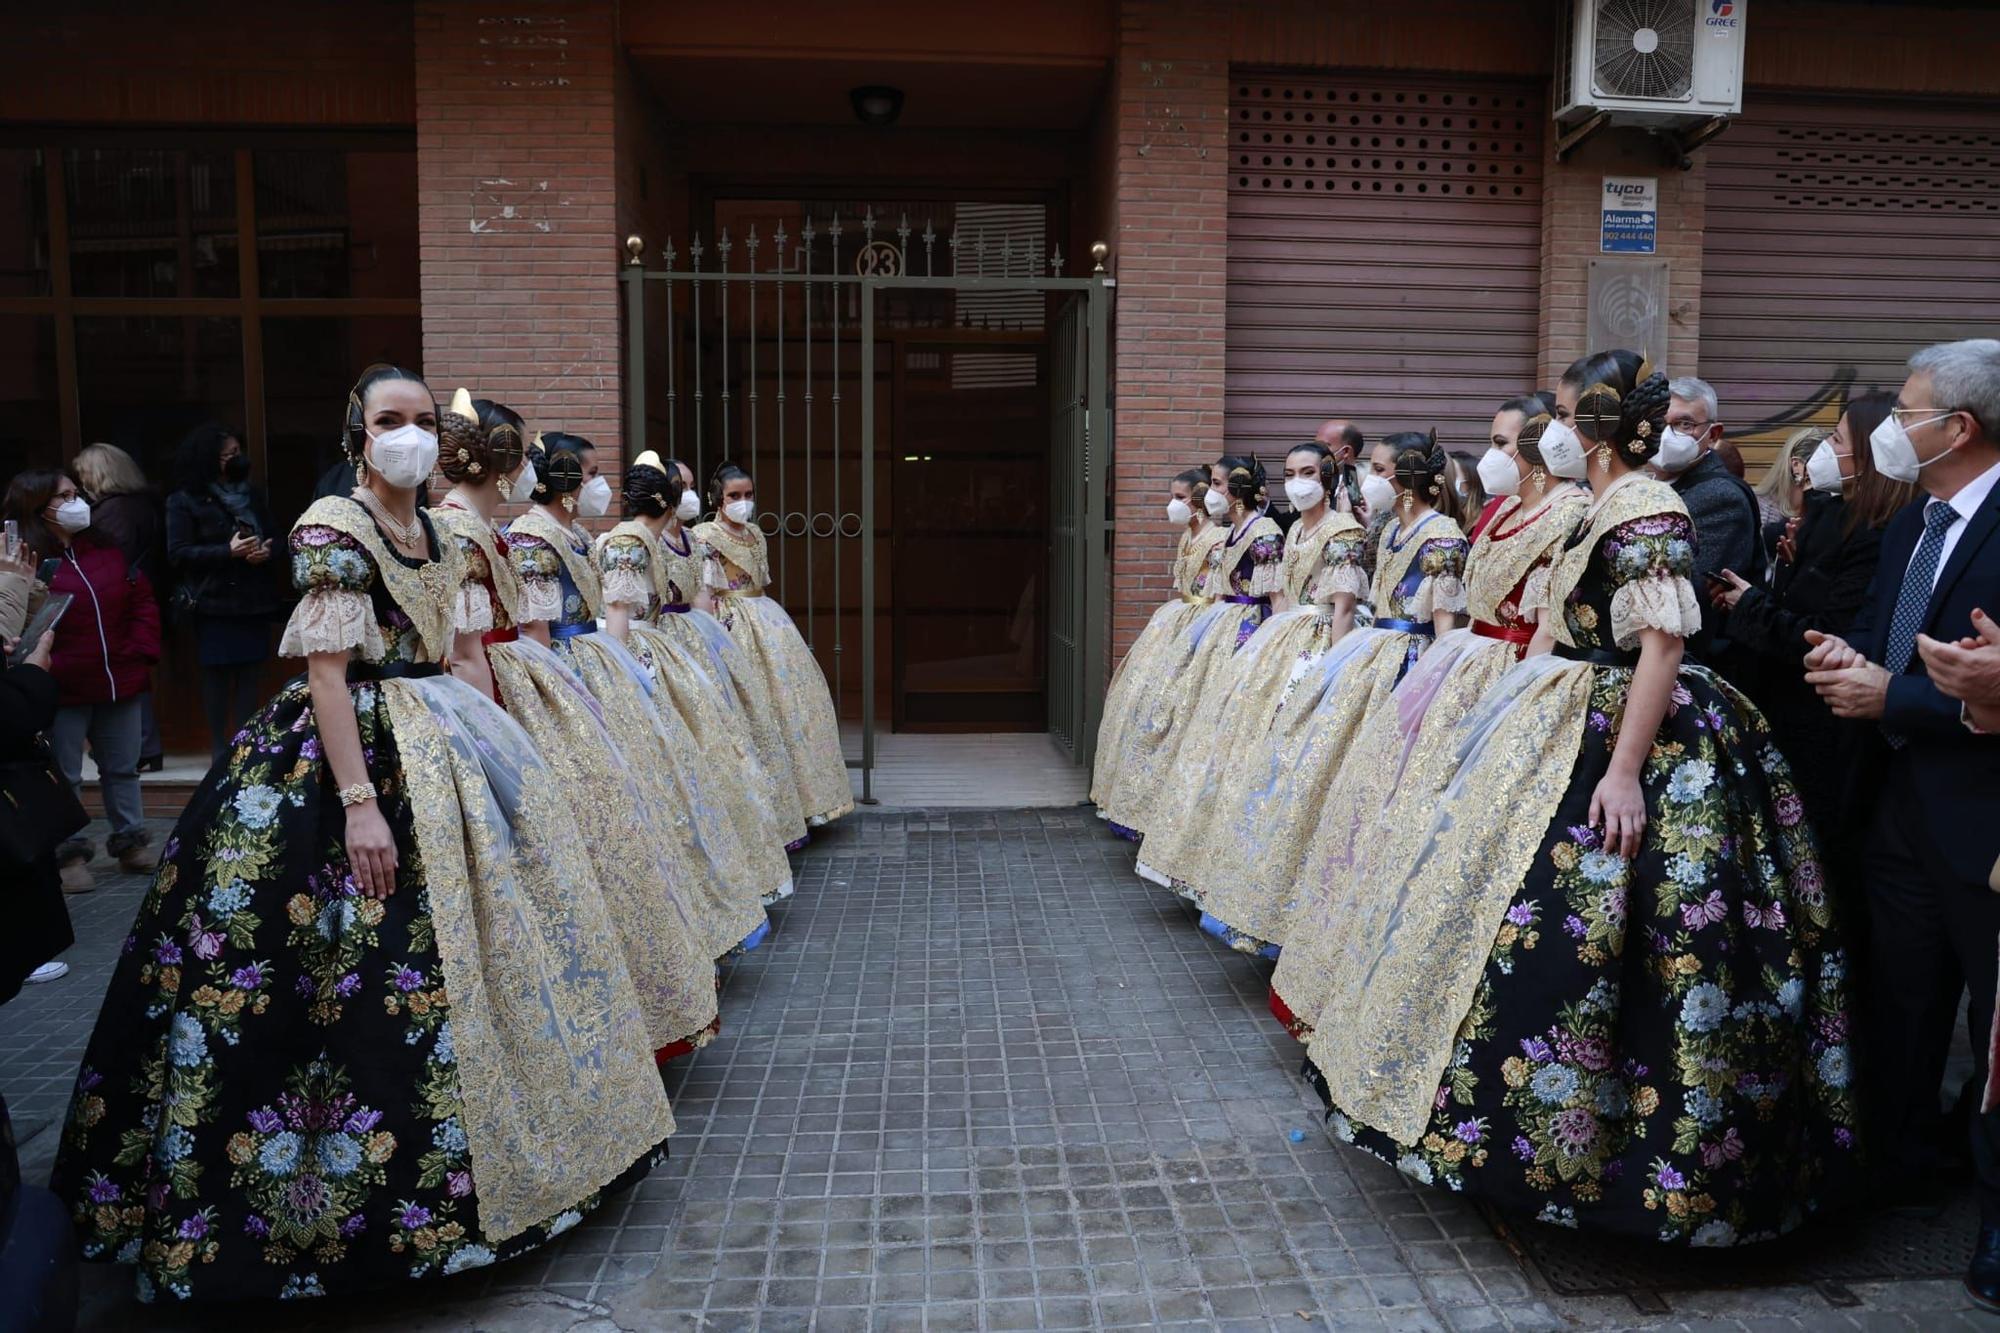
pixel 876 104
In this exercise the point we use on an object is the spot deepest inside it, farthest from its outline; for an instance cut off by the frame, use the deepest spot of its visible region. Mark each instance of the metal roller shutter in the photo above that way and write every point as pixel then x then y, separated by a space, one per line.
pixel 1841 237
pixel 1384 253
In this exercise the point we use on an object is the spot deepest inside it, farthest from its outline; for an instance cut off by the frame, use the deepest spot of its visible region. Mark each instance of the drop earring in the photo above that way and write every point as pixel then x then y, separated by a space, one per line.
pixel 569 504
pixel 1603 458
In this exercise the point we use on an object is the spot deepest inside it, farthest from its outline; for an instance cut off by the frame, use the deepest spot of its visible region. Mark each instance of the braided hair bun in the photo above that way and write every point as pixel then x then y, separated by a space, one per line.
pixel 1623 404
pixel 1420 462
pixel 479 440
pixel 652 488
pixel 1245 479
pixel 558 465
pixel 1529 441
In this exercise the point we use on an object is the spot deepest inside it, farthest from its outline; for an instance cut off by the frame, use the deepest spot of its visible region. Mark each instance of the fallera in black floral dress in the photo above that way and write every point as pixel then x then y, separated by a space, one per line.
pixel 290 1091
pixel 1657 1047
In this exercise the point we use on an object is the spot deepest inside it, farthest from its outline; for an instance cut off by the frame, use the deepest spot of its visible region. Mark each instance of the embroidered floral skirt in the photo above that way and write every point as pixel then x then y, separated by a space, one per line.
pixel 1658 1047
pixel 784 672
pixel 293 1090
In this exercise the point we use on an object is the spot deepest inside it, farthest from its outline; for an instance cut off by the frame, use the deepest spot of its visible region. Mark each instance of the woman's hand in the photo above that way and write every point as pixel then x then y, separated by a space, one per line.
pixel 241 547
pixel 1618 811
pixel 1728 591
pixel 371 850
pixel 262 552
pixel 20 563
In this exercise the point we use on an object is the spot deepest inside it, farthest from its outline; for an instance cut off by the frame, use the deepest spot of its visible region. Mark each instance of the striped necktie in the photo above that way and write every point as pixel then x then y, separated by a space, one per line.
pixel 1914 598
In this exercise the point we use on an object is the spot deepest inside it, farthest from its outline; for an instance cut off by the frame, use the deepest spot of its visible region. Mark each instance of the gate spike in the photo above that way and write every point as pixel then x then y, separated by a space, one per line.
pixel 1058 260
pixel 667 252
pixel 868 224
pixel 930 239
pixel 750 249
pixel 723 247
pixel 695 252
pixel 952 241
pixel 1034 260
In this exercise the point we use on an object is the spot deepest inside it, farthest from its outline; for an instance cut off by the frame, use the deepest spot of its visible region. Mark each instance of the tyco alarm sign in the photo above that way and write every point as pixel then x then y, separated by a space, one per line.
pixel 1631 215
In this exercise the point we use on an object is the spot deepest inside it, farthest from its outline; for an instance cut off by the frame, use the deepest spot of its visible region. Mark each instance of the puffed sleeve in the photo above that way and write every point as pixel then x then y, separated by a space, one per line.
pixel 540 571
pixel 628 581
pixel 333 574
pixel 1340 570
pixel 1442 564
pixel 713 573
pixel 472 609
pixel 1267 569
pixel 1650 561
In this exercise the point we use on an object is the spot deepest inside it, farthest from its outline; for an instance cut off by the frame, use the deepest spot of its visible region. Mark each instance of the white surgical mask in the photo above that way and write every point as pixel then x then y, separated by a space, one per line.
pixel 1677 451
pixel 1823 469
pixel 523 489
pixel 1304 492
pixel 1498 474
pixel 1216 502
pixel 1895 453
pixel 594 500
pixel 73 514
pixel 740 511
pixel 404 456
pixel 1563 452
pixel 689 509
pixel 1380 495
pixel 1179 511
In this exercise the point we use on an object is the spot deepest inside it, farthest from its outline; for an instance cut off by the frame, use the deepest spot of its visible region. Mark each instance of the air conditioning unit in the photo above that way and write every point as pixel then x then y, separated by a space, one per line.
pixel 1662 64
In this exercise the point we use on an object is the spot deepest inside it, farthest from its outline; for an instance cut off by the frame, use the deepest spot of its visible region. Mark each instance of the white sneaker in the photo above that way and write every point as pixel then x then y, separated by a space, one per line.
pixel 50 971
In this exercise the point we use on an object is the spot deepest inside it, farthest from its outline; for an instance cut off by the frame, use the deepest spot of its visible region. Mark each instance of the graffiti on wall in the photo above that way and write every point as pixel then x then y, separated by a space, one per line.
pixel 1819 410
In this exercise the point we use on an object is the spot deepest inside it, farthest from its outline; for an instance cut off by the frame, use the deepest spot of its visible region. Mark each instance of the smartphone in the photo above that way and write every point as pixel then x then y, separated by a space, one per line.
pixel 10 539
pixel 44 621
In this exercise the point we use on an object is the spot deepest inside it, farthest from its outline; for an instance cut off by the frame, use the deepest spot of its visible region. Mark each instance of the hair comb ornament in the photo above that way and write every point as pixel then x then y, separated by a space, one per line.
pixel 649 459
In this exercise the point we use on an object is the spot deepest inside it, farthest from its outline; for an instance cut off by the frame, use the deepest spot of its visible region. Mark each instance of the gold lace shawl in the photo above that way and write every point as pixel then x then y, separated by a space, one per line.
pixel 656 562
pixel 424 594
pixel 1192 553
pixel 748 554
pixel 1496 567
pixel 1391 565
pixel 582 569
pixel 1305 550
pixel 1642 497
pixel 456 522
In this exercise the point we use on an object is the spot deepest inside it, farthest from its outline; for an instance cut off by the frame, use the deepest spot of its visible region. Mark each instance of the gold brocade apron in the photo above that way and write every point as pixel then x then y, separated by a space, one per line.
pixel 581 570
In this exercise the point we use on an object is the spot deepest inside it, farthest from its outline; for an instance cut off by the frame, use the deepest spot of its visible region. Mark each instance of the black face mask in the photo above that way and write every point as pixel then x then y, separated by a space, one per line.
pixel 236 469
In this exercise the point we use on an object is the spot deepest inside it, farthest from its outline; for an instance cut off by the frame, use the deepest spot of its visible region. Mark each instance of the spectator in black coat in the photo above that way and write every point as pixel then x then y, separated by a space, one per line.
pixel 220 542
pixel 1818 583
pixel 1720 503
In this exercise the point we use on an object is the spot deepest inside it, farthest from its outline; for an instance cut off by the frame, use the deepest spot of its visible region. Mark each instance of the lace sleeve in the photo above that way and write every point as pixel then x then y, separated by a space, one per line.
pixel 627 581
pixel 1651 560
pixel 1340 572
pixel 336 614
pixel 540 571
pixel 472 610
pixel 1443 586
pixel 713 574
pixel 1534 600
pixel 1267 568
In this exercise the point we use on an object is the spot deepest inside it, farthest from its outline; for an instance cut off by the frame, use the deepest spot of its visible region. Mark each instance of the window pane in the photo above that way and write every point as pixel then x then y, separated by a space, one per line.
pixel 24 223
pixel 309 365
pixel 30 427
pixel 151 222
pixel 144 381
pixel 335 223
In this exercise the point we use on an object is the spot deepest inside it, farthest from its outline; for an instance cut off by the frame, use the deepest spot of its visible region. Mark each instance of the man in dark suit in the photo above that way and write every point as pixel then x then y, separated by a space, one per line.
pixel 1934 834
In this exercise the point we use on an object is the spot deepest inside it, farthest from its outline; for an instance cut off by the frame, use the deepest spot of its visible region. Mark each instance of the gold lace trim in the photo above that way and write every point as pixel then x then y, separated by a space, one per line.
pixel 424 593
pixel 1304 552
pixel 751 556
pixel 1391 565
pixel 1642 497
pixel 582 570
pixel 1497 566
pixel 463 523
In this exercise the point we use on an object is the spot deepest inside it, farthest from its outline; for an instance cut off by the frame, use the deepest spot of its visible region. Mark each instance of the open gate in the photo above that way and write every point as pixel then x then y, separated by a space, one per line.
pixel 769 350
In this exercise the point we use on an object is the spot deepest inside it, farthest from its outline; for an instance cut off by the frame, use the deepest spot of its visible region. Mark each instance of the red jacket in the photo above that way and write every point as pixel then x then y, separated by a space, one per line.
pixel 109 639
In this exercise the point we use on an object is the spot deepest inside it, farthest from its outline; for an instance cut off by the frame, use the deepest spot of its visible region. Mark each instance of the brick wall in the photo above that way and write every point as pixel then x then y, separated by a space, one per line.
pixel 1169 103
pixel 1572 206
pixel 517 209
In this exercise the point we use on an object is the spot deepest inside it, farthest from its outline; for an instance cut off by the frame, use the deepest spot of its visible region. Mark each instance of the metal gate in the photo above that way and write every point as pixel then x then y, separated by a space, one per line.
pixel 763 349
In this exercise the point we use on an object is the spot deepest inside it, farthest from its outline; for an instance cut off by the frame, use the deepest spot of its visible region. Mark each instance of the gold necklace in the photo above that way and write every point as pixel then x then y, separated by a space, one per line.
pixel 404 534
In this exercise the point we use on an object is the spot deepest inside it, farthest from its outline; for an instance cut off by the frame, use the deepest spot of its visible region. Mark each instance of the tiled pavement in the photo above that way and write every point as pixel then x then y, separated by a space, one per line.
pixel 981 1078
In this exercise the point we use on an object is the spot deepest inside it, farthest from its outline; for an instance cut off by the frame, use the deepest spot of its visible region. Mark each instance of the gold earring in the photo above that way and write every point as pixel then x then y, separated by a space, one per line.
pixel 1536 476
pixel 569 504
pixel 1603 458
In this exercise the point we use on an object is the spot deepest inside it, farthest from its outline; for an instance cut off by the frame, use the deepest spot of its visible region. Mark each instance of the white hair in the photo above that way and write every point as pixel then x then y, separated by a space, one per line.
pixel 1965 377
pixel 1691 390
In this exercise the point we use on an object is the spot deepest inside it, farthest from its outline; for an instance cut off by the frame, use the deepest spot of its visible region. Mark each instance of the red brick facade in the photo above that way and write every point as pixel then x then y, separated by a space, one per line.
pixel 518 211
pixel 1170 97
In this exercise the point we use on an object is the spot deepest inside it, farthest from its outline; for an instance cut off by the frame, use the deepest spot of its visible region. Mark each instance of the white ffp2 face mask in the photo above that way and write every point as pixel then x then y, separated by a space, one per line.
pixel 523 490
pixel 1895 454
pixel 740 511
pixel 1498 473
pixel 1677 452
pixel 1823 469
pixel 1179 511
pixel 594 500
pixel 1216 502
pixel 404 456
pixel 1563 451
pixel 1304 492
pixel 689 509
pixel 73 514
pixel 1378 493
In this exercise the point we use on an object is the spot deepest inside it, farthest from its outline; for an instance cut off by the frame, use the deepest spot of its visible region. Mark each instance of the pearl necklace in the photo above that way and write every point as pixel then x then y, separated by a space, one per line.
pixel 404 534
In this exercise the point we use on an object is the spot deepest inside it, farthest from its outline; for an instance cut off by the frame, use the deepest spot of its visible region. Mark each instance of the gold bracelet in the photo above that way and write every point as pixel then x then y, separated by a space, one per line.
pixel 358 793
